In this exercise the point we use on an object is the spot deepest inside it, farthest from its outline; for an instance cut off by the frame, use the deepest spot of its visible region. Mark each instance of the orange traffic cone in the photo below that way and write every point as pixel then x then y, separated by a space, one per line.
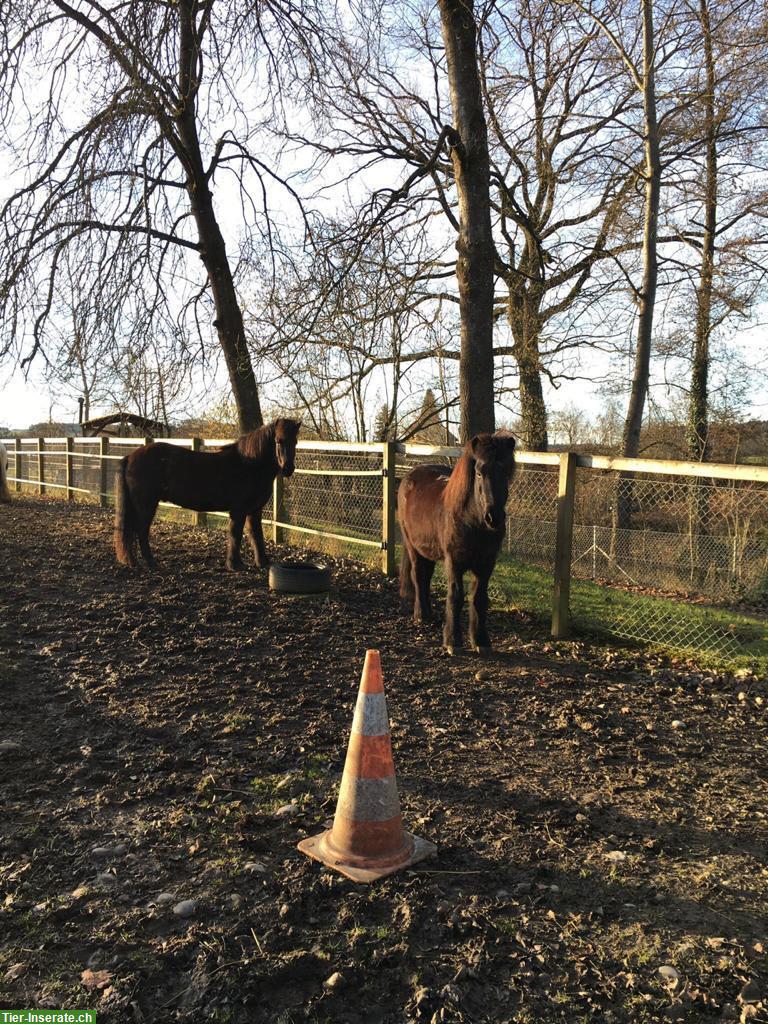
pixel 367 840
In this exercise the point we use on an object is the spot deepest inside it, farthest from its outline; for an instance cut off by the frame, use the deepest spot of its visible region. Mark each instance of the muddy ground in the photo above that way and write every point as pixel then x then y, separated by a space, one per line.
pixel 600 814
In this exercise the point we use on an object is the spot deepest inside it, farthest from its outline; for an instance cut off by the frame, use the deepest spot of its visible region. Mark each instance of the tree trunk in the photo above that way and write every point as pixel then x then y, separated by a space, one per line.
pixel 475 262
pixel 652 173
pixel 698 417
pixel 698 425
pixel 229 317
pixel 524 327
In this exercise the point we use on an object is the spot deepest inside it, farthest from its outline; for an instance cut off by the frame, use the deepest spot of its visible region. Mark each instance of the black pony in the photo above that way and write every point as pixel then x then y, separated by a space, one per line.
pixel 236 479
pixel 458 517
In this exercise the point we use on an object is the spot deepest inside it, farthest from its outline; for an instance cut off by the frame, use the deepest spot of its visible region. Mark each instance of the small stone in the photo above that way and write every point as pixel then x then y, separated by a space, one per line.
pixel 741 696
pixel 286 780
pixel 80 891
pixel 336 980
pixel 9 747
pixel 483 675
pixel 677 724
pixel 616 856
pixel 523 888
pixel 285 910
pixel 120 849
pixel 236 900
pixel 164 898
pixel 287 810
pixel 186 908
pixel 669 974
pixel 101 852
pixel 581 817
pixel 255 865
pixel 105 878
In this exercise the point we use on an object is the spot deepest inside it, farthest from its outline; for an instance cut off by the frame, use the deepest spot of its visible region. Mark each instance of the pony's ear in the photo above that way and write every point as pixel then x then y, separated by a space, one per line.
pixel 473 443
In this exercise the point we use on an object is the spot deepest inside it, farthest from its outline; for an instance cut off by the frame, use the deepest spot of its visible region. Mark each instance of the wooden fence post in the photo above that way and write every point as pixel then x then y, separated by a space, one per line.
pixel 278 508
pixel 17 462
pixel 388 498
pixel 69 468
pixel 561 593
pixel 103 463
pixel 198 518
pixel 40 465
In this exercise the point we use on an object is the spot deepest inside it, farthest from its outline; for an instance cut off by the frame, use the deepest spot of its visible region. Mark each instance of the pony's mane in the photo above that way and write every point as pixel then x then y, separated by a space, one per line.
pixel 256 444
pixel 459 486
pixel 260 443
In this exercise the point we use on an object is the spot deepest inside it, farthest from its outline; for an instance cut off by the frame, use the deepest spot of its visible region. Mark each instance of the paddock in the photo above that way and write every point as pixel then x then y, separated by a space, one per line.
pixel 170 736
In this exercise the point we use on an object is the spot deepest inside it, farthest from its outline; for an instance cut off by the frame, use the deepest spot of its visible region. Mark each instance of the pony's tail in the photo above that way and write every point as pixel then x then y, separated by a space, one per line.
pixel 125 519
pixel 5 494
pixel 406 583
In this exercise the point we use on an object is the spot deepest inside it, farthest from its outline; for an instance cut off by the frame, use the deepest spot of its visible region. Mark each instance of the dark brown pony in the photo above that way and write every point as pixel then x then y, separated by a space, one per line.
pixel 236 479
pixel 458 518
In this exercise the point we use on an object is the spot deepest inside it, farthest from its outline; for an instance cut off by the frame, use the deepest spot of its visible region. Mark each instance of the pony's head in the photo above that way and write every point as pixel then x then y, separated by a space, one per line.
pixel 493 456
pixel 286 435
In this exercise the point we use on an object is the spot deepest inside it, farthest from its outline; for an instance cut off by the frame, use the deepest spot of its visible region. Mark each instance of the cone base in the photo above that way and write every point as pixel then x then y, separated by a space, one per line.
pixel 316 848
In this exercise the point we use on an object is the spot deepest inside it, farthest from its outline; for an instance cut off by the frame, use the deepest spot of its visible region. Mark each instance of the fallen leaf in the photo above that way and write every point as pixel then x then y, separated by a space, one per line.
pixel 95 979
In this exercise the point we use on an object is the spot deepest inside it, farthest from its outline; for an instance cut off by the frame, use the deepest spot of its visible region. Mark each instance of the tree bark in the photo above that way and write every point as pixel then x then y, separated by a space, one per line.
pixel 698 423
pixel 475 262
pixel 524 325
pixel 213 252
pixel 647 298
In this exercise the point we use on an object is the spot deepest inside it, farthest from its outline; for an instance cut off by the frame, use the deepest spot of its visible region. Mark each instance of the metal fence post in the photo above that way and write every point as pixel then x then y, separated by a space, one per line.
pixel 40 465
pixel 69 467
pixel 198 518
pixel 388 498
pixel 17 462
pixel 278 508
pixel 103 451
pixel 561 592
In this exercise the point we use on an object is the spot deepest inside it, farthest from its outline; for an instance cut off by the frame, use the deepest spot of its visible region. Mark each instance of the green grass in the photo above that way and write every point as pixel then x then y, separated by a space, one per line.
pixel 718 637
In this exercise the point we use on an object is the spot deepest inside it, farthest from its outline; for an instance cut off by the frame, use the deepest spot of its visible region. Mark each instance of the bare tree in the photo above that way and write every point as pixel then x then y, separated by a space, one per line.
pixel 126 115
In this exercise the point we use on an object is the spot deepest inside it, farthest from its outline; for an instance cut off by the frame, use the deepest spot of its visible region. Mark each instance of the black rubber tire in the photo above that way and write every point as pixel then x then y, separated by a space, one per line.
pixel 299 578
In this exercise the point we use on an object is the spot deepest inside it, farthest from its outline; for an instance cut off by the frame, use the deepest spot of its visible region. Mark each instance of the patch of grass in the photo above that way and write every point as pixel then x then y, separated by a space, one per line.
pixel 718 637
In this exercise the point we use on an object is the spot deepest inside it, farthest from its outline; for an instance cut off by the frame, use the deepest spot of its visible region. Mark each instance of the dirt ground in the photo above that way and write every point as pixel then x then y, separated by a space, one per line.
pixel 600 814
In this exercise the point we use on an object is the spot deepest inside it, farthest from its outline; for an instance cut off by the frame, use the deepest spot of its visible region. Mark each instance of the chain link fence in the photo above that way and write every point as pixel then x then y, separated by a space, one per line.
pixel 658 555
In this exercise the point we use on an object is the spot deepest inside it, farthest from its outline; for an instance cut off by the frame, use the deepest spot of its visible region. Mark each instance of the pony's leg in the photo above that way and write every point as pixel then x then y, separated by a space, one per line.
pixel 144 516
pixel 234 539
pixel 453 603
pixel 423 569
pixel 255 535
pixel 478 612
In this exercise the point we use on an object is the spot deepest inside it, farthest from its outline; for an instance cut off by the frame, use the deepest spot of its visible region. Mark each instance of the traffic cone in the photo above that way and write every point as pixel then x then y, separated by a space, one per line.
pixel 367 840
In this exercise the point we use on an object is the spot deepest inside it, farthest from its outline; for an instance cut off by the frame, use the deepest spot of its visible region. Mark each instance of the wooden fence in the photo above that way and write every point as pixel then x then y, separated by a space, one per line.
pixel 346 493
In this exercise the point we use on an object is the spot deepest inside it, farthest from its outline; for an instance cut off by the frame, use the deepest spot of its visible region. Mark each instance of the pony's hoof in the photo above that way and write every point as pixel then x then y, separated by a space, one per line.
pixel 235 566
pixel 483 650
pixel 449 649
